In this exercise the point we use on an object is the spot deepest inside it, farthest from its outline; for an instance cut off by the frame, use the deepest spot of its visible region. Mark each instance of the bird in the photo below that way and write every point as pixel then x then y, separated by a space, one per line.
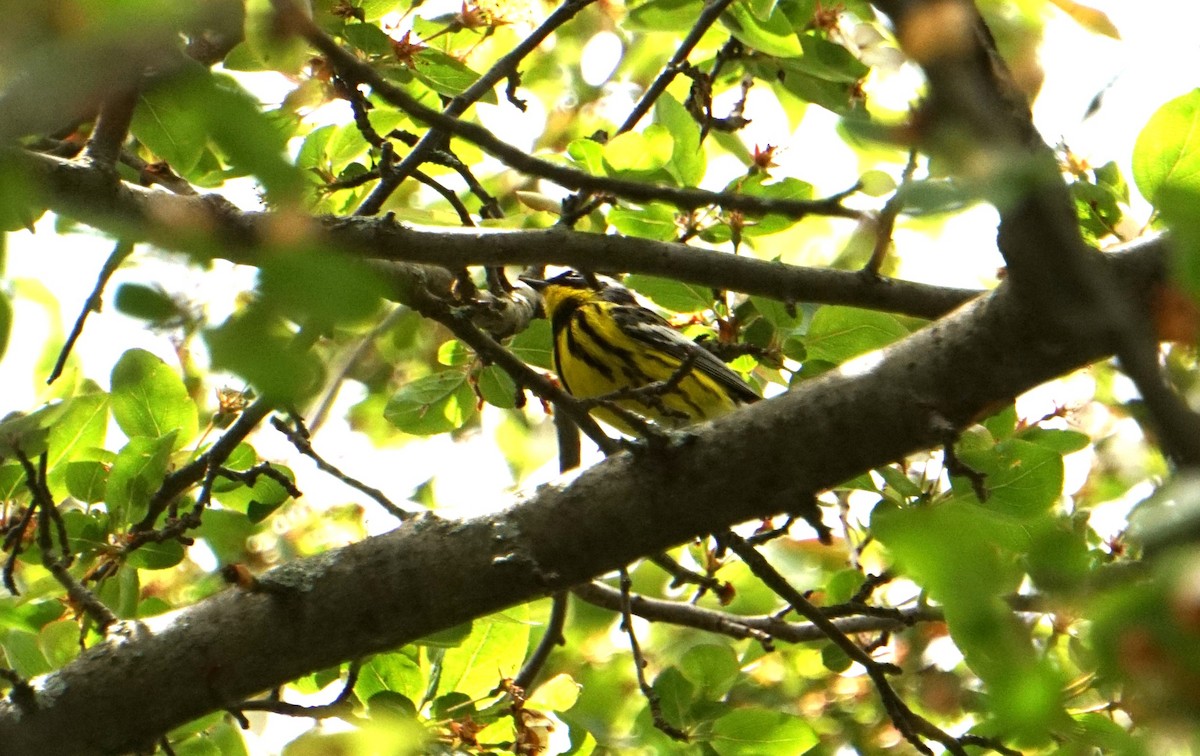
pixel 607 345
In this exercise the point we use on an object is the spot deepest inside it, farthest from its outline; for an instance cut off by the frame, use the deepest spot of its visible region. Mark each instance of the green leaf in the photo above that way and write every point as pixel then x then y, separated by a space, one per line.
pixel 157 556
pixel 839 333
pixel 495 649
pixel 395 672
pixel 59 641
pixel 664 15
pixel 150 400
pixel 773 36
pixel 826 60
pixel 18 206
pixel 651 222
pixel 437 403
pixel 225 532
pixel 676 695
pixel 497 387
pixel 834 658
pixel 256 345
pixel 261 499
pixel 1023 479
pixel 87 531
pixel 368 37
pixel 80 430
pixel 147 303
pixel 761 732
pixel 688 163
pixel 677 296
pixel 24 654
pixel 533 345
pixel 446 75
pixel 28 433
pixel 711 667
pixel 320 288
pixel 1056 439
pixel 1167 151
pixel 137 472
pixel 182 114
pixel 6 321
pixel 86 481
pixel 639 154
pixel 1177 206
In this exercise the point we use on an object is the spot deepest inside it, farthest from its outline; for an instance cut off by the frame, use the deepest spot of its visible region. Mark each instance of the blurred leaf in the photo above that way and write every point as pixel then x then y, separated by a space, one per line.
pixel 711 667
pixel 226 532
pixel 1095 21
pixel 664 15
pixel 320 288
pixel 559 693
pixel 256 345
pixel 147 303
pixel 1167 151
pixel 150 400
pixel 773 35
pixel 761 732
pixel 827 60
pixel 6 319
pixel 181 114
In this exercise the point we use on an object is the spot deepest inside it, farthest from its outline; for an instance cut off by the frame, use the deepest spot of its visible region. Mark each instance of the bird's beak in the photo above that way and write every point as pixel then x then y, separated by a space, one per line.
pixel 536 284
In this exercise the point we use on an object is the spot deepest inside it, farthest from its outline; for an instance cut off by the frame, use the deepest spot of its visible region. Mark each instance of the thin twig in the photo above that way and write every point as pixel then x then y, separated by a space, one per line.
pixel 300 439
pixel 712 11
pixel 552 638
pixel 885 224
pixel 504 69
pixel 639 665
pixel 93 304
pixel 43 500
pixel 910 724
pixel 337 707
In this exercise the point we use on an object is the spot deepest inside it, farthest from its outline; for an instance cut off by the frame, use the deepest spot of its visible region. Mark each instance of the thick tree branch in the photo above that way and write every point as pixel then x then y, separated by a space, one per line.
pixel 430 574
pixel 209 226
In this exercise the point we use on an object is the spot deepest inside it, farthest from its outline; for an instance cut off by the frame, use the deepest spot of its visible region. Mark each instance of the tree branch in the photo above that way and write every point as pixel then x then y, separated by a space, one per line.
pixel 209 226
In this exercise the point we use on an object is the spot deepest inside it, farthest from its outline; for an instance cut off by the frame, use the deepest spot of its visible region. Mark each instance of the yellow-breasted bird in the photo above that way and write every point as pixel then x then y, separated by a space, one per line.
pixel 605 343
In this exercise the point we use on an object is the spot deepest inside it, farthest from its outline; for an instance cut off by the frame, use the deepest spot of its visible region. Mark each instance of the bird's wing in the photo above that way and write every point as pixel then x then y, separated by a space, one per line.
pixel 648 327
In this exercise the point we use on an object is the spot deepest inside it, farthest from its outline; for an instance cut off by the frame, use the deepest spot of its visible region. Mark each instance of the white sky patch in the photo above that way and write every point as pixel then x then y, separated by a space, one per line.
pixel 600 57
